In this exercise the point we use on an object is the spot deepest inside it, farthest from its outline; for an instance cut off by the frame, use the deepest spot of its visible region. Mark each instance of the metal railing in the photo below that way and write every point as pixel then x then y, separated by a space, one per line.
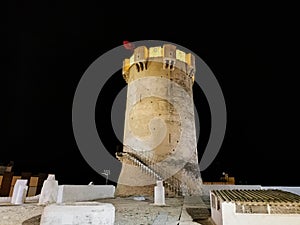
pixel 147 163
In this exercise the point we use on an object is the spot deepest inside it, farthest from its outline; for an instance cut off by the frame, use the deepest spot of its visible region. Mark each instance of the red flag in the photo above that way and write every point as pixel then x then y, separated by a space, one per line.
pixel 128 45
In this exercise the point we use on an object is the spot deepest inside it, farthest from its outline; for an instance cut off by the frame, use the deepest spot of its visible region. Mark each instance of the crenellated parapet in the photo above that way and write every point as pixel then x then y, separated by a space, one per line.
pixel 168 56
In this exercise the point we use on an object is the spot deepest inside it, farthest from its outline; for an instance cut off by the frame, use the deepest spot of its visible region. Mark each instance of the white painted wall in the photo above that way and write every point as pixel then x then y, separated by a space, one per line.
pixel 216 215
pixel 229 217
pixel 83 213
pixel 74 193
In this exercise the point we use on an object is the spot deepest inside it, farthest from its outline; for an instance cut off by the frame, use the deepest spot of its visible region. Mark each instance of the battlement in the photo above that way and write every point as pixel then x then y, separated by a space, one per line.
pixel 167 55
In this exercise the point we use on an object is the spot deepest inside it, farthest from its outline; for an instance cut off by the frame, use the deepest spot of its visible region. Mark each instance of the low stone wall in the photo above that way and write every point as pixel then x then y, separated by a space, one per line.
pixel 295 190
pixel 207 188
pixel 83 213
pixel 74 193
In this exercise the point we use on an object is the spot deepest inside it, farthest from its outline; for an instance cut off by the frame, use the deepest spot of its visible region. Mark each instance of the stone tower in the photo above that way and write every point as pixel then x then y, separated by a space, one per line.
pixel 159 131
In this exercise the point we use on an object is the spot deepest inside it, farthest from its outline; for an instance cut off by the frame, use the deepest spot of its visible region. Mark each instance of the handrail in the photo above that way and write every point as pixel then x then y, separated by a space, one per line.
pixel 148 164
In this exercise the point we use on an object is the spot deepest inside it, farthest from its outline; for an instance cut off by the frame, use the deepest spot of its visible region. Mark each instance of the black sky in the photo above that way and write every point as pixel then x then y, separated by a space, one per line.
pixel 49 46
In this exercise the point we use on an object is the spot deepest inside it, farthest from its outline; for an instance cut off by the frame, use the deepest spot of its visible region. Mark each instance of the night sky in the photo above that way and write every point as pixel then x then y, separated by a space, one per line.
pixel 48 47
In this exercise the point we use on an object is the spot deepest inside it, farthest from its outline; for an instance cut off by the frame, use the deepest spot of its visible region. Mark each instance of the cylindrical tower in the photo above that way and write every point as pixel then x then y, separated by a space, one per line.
pixel 159 132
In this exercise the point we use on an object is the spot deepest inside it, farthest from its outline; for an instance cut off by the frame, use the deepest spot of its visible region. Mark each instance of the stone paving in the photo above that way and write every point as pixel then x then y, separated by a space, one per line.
pixel 177 211
pixel 130 211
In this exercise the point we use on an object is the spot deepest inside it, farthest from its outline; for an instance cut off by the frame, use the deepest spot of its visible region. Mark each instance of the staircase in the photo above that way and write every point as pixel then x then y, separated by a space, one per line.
pixel 147 166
